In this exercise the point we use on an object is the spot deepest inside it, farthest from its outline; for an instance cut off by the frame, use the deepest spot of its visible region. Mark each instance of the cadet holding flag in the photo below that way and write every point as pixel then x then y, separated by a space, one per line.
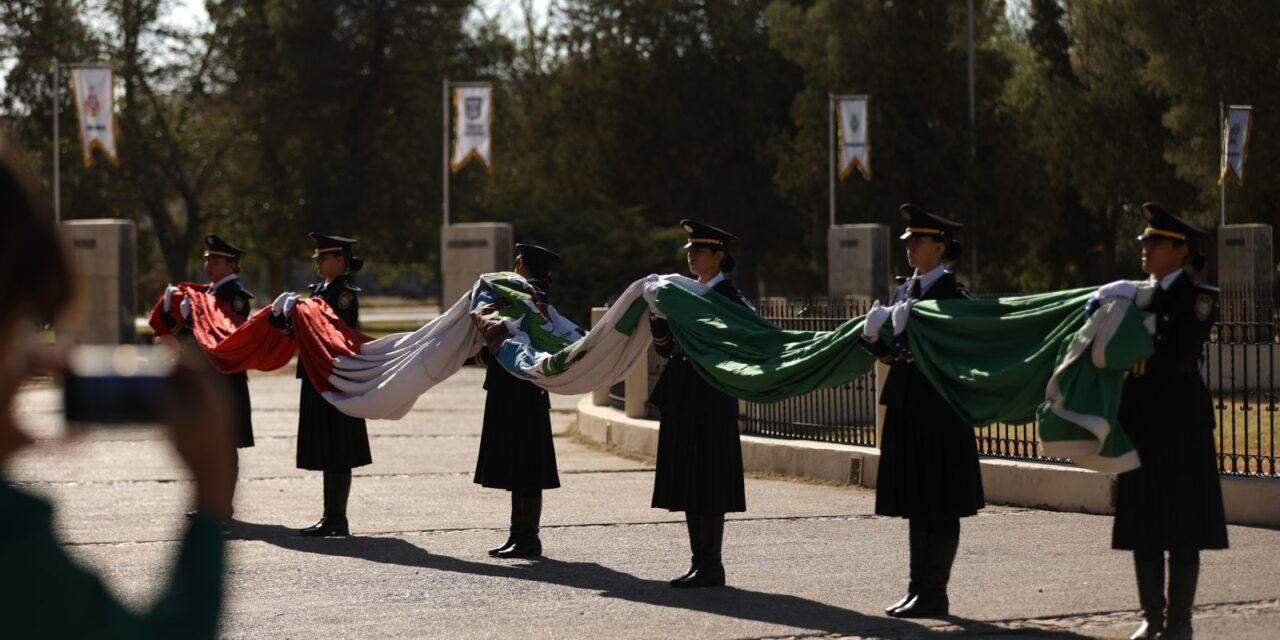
pixel 329 440
pixel 517 452
pixel 699 466
pixel 929 470
pixel 222 267
pixel 1173 502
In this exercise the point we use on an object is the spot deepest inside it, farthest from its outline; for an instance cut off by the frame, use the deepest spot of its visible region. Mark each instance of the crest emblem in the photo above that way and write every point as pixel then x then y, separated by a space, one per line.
pixel 91 104
pixel 345 299
pixel 240 305
pixel 854 122
pixel 1204 306
pixel 473 107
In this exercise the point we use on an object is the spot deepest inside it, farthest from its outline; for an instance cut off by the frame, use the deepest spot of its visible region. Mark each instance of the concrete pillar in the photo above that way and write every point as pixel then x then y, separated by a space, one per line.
pixel 1246 273
pixel 599 397
pixel 638 386
pixel 104 261
pixel 858 261
pixel 470 249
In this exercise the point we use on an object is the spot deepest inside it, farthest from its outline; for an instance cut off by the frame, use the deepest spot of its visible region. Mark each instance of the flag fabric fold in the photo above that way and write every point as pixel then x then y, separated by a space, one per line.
pixel 1009 359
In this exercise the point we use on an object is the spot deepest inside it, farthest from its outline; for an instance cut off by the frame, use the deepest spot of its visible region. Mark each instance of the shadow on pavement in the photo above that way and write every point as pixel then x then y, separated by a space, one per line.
pixel 771 608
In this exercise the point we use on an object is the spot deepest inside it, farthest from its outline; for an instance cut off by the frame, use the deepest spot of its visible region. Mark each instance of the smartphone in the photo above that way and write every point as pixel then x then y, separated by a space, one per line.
pixel 112 385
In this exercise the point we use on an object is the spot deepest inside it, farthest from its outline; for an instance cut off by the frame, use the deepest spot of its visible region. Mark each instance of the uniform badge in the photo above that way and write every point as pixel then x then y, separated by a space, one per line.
pixel 240 305
pixel 345 299
pixel 1204 306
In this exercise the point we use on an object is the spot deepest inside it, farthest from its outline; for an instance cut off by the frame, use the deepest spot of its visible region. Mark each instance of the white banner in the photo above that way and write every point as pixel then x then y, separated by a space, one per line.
pixel 93 89
pixel 1235 142
pixel 472 122
pixel 855 151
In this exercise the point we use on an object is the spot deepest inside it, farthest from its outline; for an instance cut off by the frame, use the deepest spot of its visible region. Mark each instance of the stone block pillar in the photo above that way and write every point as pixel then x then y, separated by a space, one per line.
pixel 104 263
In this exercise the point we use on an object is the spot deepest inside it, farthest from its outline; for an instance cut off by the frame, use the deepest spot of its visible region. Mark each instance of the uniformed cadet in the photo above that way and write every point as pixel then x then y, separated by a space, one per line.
pixel 516 448
pixel 1173 502
pixel 699 466
pixel 222 266
pixel 328 439
pixel 929 470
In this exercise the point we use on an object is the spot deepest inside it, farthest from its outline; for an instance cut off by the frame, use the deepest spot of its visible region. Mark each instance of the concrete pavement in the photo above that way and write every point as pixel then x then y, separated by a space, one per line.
pixel 806 560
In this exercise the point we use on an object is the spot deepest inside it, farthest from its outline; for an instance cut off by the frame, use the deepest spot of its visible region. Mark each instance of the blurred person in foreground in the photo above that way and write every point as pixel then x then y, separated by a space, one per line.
pixel 44 594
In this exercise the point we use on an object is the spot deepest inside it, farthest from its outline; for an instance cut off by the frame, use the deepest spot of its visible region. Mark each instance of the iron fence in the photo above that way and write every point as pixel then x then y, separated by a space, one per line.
pixel 844 414
pixel 1240 367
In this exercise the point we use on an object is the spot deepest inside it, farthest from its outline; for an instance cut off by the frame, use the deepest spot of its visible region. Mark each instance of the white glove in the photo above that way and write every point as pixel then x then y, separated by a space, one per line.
pixel 876 318
pixel 186 308
pixel 901 312
pixel 288 304
pixel 277 307
pixel 168 297
pixel 1117 289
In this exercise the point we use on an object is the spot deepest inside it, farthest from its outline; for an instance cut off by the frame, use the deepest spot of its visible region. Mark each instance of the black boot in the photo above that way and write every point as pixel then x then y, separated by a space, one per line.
pixel 694 524
pixel 916 549
pixel 709 571
pixel 516 513
pixel 931 601
pixel 524 528
pixel 337 488
pixel 1184 573
pixel 1149 568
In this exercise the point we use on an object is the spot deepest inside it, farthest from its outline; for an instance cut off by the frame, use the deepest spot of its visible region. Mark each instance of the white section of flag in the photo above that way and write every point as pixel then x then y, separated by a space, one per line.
pixel 855 151
pixel 1235 142
pixel 472 126
pixel 93 89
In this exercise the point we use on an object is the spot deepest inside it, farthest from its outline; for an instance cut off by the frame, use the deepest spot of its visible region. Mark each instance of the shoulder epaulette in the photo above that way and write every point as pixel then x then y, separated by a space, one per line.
pixel 351 287
pixel 1209 289
pixel 247 292
pixel 313 286
pixel 901 279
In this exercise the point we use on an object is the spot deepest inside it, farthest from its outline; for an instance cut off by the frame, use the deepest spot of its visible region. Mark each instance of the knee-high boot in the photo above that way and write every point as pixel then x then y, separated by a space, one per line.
pixel 708 570
pixel 694 524
pixel 1184 573
pixel 1148 566
pixel 526 514
pixel 934 571
pixel 916 548
pixel 337 489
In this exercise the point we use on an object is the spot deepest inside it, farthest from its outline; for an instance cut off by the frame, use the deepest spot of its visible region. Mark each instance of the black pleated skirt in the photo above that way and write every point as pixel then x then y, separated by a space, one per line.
pixel 328 439
pixel 1172 502
pixel 517 452
pixel 699 449
pixel 242 411
pixel 928 455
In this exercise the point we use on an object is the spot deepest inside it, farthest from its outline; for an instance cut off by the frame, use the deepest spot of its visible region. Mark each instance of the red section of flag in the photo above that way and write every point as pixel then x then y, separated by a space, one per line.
pixel 323 336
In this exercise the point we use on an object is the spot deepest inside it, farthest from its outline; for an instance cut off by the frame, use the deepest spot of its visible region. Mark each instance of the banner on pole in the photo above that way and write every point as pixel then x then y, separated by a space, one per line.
pixel 852 134
pixel 1235 142
pixel 93 89
pixel 472 126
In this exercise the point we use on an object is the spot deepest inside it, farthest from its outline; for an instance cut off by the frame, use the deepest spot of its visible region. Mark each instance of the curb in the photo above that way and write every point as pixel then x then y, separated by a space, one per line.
pixel 1040 485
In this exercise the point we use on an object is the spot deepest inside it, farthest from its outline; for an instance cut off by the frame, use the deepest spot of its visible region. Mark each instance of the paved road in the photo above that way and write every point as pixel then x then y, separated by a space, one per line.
pixel 806 560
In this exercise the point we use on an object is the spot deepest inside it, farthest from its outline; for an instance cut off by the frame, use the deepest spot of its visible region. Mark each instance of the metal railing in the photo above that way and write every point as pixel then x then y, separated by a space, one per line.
pixel 842 415
pixel 1240 367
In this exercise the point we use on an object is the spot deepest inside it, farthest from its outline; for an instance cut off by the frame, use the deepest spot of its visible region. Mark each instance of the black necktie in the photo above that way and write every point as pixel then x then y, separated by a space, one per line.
pixel 915 289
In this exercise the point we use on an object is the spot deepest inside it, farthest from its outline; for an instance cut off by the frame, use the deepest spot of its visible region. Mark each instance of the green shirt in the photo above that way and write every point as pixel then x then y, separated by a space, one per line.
pixel 44 594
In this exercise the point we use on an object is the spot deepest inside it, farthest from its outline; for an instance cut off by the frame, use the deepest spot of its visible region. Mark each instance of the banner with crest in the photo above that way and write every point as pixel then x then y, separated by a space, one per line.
pixel 472 126
pixel 855 151
pixel 92 88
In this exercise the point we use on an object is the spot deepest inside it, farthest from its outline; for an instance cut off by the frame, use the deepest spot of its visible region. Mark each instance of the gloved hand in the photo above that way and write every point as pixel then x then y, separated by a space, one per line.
pixel 1118 289
pixel 277 306
pixel 168 297
pixel 876 317
pixel 901 313
pixel 185 307
pixel 1091 305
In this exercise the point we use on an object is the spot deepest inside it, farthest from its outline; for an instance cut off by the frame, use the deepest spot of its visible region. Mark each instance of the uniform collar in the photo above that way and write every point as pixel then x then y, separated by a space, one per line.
pixel 719 277
pixel 1167 281
pixel 214 287
pixel 927 279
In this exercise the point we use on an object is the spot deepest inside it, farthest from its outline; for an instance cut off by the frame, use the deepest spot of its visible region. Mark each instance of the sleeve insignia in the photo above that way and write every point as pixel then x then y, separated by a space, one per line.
pixel 1204 306
pixel 240 305
pixel 345 300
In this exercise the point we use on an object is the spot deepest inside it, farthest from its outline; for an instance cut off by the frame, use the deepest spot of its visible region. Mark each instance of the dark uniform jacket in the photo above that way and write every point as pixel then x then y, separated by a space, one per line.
pixel 928 455
pixel 699 467
pixel 1174 500
pixel 328 439
pixel 232 296
pixel 517 452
